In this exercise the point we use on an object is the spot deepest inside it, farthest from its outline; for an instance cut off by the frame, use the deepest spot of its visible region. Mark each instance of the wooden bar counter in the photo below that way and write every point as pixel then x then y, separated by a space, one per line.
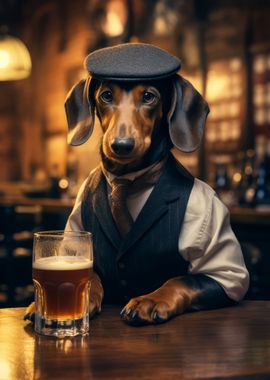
pixel 229 343
pixel 242 215
pixel 49 205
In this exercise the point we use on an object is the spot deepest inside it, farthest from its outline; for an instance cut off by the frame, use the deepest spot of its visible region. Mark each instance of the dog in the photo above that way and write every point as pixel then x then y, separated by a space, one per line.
pixel 139 264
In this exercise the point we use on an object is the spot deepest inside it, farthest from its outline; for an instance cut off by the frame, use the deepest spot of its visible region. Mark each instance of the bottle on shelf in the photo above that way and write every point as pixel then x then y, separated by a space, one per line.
pixel 246 188
pixel 223 184
pixel 222 178
pixel 262 191
pixel 237 173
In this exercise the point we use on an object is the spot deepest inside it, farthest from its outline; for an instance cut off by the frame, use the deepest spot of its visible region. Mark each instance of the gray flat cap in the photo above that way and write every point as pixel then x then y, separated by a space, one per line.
pixel 131 61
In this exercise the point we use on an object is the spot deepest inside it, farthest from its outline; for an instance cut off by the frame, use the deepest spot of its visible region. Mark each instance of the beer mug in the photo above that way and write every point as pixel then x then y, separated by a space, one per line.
pixel 62 267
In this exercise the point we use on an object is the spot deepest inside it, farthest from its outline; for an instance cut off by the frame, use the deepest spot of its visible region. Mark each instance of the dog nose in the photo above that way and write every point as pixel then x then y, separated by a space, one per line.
pixel 123 146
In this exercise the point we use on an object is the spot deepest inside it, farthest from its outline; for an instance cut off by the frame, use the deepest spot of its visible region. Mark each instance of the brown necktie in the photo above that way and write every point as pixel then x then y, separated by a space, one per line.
pixel 118 200
pixel 122 188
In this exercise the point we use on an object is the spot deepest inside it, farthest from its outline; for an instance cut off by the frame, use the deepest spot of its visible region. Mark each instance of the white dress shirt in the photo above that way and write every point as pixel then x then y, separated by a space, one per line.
pixel 206 239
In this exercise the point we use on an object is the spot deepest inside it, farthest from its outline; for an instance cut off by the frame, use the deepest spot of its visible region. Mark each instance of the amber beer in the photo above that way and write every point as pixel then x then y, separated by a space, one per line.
pixel 62 271
pixel 62 283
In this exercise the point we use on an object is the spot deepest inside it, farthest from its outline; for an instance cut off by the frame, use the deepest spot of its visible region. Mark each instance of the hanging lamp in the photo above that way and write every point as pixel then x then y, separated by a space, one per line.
pixel 15 60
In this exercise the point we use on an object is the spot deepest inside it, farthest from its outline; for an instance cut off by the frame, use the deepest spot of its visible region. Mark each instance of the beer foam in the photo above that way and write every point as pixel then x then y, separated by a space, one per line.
pixel 63 263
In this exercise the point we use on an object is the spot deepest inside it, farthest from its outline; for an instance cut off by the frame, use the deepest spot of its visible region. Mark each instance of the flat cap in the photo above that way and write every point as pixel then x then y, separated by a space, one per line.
pixel 131 61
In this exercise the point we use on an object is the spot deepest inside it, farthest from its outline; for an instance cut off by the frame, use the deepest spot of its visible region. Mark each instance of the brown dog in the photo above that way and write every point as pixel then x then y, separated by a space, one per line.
pixel 141 121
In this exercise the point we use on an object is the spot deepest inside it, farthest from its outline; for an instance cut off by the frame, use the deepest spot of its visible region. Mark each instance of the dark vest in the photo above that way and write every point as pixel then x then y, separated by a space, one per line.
pixel 149 254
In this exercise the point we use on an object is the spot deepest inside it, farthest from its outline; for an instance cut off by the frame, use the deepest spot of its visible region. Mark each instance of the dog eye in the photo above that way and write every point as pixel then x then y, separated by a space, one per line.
pixel 148 97
pixel 107 96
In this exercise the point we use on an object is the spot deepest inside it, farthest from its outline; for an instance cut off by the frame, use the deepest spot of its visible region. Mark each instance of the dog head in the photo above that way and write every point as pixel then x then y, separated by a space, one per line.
pixel 131 112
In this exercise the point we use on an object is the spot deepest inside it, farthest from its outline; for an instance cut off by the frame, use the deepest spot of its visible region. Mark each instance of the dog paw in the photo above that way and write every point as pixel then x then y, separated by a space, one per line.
pixel 30 313
pixel 94 307
pixel 145 310
pixel 96 296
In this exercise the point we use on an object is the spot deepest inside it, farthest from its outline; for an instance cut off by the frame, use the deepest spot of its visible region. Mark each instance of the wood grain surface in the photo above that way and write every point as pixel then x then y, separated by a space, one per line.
pixel 229 343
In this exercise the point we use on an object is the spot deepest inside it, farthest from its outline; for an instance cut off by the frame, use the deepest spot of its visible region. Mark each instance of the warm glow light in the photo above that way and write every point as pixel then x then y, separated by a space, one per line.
pixel 224 80
pixel 115 18
pixel 217 85
pixel 4 369
pixel 237 177
pixel 4 59
pixel 16 357
pixel 15 61
pixel 161 26
pixel 113 26
pixel 63 184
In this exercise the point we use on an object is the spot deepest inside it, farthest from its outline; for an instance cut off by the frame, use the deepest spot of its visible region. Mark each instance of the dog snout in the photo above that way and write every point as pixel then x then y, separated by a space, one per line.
pixel 123 146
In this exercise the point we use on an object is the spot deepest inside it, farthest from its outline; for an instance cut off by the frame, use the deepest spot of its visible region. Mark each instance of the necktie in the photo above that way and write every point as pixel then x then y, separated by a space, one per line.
pixel 122 188
pixel 118 200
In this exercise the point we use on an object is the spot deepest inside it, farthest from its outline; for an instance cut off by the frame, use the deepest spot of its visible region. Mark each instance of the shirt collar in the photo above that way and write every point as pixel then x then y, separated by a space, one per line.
pixel 131 176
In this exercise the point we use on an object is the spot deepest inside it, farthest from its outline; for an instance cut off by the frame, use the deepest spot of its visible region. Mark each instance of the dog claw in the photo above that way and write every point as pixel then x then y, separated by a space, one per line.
pixel 125 312
pixel 157 318
pixel 129 311
pixel 129 315
pixel 26 316
pixel 29 317
pixel 134 314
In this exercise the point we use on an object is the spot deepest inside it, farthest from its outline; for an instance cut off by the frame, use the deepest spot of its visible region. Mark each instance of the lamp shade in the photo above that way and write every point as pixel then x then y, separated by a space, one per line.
pixel 15 60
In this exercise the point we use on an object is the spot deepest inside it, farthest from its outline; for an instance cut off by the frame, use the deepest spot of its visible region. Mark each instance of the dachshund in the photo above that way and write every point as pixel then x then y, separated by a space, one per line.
pixel 141 121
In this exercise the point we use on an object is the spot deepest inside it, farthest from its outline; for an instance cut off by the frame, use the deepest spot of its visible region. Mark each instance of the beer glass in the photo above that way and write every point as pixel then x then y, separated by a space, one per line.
pixel 62 267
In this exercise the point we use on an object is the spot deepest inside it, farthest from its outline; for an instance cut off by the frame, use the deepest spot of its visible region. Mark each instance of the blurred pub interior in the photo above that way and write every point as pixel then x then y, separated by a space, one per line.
pixel 224 46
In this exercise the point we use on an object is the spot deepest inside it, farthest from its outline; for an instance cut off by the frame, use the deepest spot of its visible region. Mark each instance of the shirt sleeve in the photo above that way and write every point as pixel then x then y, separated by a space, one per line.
pixel 74 222
pixel 209 244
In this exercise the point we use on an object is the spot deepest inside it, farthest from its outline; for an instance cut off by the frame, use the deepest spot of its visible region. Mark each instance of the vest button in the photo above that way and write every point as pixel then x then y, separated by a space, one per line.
pixel 121 265
pixel 123 282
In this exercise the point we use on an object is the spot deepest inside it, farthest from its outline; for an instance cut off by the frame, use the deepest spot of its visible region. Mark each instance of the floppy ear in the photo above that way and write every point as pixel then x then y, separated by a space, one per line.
pixel 80 113
pixel 187 116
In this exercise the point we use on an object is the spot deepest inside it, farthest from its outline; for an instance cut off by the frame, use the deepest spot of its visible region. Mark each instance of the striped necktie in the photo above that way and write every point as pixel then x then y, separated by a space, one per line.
pixel 122 188
pixel 118 201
